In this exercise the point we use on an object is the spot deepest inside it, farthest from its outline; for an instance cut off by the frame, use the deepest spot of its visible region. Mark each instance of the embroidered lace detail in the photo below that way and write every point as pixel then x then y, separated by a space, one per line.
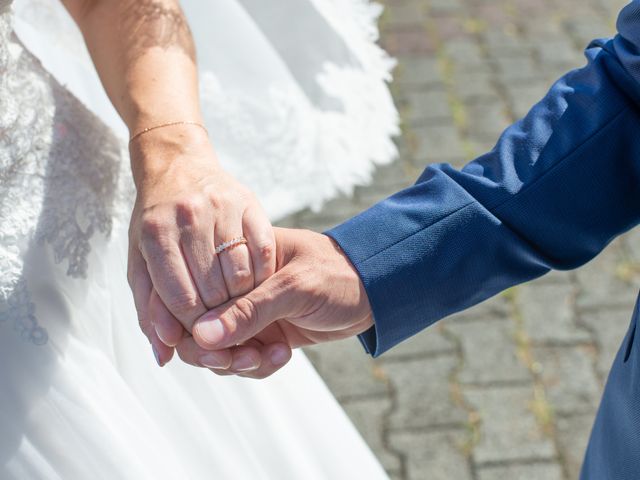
pixel 322 149
pixel 21 309
pixel 333 149
pixel 60 178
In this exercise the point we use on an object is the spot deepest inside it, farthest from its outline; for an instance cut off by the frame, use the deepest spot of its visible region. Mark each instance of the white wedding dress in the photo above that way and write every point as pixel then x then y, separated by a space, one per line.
pixel 295 98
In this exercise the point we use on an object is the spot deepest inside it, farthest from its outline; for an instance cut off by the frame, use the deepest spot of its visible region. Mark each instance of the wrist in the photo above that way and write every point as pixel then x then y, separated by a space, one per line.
pixel 156 149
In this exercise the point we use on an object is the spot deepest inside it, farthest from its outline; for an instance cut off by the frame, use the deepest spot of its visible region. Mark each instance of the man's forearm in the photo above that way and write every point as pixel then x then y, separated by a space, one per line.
pixel 559 185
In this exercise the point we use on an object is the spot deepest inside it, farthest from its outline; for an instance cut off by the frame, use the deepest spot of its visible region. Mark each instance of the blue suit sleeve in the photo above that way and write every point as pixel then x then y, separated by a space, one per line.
pixel 557 188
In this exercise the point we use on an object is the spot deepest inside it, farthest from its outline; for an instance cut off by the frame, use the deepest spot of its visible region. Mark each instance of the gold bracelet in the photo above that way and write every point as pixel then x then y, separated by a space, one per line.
pixel 170 124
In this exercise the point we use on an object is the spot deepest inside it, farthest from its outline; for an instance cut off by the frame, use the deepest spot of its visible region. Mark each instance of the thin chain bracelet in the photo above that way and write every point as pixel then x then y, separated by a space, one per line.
pixel 170 124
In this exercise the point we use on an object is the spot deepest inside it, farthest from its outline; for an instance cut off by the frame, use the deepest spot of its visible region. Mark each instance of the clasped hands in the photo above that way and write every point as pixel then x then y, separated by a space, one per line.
pixel 242 311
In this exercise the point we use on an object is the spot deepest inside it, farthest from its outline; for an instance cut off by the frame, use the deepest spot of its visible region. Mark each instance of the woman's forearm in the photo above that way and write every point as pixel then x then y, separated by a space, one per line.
pixel 186 205
pixel 145 56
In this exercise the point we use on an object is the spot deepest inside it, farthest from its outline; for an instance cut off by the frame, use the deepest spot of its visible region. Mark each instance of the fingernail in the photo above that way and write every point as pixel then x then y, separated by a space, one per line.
pixel 280 356
pixel 156 355
pixel 211 331
pixel 211 360
pixel 244 363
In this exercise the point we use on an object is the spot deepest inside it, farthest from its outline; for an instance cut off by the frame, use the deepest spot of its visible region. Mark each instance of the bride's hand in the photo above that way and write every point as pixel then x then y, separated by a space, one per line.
pixel 187 205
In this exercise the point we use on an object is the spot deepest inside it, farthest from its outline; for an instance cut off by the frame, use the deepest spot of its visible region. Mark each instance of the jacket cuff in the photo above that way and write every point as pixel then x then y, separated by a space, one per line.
pixel 349 245
pixel 383 277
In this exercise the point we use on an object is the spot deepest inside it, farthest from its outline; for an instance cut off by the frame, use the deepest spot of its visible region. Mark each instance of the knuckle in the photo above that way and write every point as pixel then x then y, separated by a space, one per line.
pixel 215 296
pixel 266 252
pixel 188 210
pixel 241 278
pixel 219 200
pixel 245 313
pixel 183 305
pixel 153 227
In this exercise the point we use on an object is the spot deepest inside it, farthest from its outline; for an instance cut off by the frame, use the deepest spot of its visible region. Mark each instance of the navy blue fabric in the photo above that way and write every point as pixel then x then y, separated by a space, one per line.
pixel 557 188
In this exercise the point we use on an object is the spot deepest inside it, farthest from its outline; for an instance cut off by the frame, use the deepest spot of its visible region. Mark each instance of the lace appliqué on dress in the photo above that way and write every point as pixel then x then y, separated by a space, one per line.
pixel 326 125
pixel 60 179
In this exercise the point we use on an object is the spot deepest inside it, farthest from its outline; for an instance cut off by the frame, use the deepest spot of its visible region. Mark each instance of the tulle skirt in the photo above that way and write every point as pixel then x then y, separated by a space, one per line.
pixel 92 403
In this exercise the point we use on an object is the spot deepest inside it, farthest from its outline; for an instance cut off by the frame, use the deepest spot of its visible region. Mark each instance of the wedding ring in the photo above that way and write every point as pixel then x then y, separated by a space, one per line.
pixel 230 244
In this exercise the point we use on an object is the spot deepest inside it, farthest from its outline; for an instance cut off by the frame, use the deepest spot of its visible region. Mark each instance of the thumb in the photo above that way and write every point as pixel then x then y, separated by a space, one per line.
pixel 243 317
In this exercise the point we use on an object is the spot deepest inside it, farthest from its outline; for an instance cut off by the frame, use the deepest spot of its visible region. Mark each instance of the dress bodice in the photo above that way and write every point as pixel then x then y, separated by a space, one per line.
pixel 59 176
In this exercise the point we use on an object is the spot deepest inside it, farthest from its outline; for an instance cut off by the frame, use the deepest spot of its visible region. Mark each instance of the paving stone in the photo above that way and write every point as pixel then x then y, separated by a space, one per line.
pixel 547 314
pixel 422 393
pixel 506 43
pixel 569 379
pixel 482 365
pixel 434 455
pixel 465 55
pixel 472 87
pixel 494 14
pixel 495 307
pixel 513 69
pixel 389 180
pixel 523 97
pixel 508 428
pixel 416 40
pixel 572 437
pixel 556 277
pixel 630 255
pixel 427 343
pixel 347 370
pixel 368 415
pixel 552 72
pixel 536 471
pixel 367 197
pixel 391 175
pixel 550 28
pixel 560 53
pixel 609 327
pixel 530 10
pixel 583 29
pixel 417 72
pixel 613 7
pixel 487 120
pixel 480 146
pixel 403 15
pixel 441 7
pixel 425 107
pixel 601 284
pixel 436 143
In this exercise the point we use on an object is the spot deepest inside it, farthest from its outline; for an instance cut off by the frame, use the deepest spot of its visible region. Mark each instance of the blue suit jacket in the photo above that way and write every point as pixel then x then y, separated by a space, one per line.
pixel 557 188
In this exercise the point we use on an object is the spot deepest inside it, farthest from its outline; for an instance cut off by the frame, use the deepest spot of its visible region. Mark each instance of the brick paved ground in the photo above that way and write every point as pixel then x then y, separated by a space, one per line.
pixel 508 389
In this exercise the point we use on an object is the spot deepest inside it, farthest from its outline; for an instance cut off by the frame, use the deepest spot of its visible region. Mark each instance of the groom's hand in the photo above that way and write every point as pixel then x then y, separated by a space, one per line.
pixel 316 296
